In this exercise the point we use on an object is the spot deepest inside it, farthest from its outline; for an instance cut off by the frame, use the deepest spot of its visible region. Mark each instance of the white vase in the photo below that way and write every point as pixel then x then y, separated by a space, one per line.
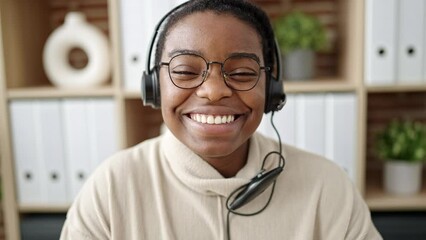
pixel 76 32
pixel 402 178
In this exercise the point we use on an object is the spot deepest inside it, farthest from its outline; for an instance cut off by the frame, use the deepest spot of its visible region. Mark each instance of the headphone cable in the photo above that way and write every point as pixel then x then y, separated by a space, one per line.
pixel 281 164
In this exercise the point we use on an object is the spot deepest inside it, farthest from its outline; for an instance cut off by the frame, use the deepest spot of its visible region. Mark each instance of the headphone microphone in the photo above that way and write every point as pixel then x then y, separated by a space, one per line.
pixel 256 186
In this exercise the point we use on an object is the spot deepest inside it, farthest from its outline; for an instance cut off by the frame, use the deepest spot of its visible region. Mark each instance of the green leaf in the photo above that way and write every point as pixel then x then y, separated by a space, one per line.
pixel 402 140
pixel 298 30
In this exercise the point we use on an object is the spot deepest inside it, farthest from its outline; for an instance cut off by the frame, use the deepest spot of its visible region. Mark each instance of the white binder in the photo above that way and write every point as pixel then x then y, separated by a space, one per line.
pixel 411 41
pixel 134 41
pixel 284 121
pixel 52 150
pixel 265 126
pixel 314 123
pixel 138 19
pixel 341 129
pixel 380 41
pixel 102 129
pixel 320 123
pixel 28 164
pixel 77 144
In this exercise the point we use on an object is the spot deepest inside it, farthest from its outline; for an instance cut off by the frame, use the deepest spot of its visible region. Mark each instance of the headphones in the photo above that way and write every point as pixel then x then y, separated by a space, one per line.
pixel 275 101
pixel 150 84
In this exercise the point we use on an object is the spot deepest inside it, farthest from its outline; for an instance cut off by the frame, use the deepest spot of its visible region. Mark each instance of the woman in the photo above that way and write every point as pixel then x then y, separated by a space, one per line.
pixel 214 59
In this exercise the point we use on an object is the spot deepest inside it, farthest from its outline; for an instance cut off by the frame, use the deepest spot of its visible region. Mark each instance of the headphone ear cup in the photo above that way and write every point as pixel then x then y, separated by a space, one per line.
pixel 150 89
pixel 275 96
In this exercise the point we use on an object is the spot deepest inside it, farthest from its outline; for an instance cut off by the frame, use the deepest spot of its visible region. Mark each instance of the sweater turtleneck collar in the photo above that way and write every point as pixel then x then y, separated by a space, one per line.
pixel 200 176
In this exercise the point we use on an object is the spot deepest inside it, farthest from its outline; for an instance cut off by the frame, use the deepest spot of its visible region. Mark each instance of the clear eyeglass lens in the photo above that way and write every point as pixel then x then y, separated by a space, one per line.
pixel 241 73
pixel 189 71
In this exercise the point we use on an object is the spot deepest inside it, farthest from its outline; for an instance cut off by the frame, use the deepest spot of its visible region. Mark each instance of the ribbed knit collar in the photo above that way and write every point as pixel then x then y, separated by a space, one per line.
pixel 200 176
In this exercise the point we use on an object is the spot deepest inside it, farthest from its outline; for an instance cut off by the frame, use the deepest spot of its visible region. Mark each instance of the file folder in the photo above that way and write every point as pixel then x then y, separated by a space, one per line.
pixel 284 121
pixel 26 152
pixel 341 130
pixel 102 130
pixel 138 20
pixel 411 43
pixel 380 42
pixel 322 123
pixel 314 123
pixel 52 150
pixel 77 144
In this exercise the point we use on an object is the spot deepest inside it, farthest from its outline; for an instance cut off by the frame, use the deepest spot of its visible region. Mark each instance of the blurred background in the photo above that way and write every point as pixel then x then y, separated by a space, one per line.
pixel 363 67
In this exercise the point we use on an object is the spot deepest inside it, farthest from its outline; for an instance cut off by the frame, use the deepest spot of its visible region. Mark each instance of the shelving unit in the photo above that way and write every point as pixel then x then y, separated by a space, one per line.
pixel 379 200
pixel 384 104
pixel 25 26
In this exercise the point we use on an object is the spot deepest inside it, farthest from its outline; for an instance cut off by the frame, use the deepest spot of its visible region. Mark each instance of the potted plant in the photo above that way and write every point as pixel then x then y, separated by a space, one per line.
pixel 299 36
pixel 402 145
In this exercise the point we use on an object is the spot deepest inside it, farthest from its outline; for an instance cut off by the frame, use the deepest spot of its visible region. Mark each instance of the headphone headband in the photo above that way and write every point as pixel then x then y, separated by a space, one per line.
pixel 150 85
pixel 154 36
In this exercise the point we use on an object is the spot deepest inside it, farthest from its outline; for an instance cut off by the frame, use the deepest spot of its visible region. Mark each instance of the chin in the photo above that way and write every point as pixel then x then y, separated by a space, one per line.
pixel 215 149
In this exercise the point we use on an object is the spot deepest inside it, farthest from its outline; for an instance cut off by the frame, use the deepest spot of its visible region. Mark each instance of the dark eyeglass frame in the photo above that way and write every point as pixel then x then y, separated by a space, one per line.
pixel 224 74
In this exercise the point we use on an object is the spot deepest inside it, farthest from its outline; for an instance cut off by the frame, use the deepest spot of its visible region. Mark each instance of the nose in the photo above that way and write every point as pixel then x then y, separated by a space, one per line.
pixel 214 87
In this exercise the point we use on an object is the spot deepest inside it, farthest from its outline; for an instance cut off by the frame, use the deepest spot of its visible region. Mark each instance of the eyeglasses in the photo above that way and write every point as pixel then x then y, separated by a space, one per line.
pixel 240 72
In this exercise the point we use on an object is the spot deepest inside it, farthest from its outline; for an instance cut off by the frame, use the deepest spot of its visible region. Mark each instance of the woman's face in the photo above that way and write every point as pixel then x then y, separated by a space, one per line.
pixel 214 37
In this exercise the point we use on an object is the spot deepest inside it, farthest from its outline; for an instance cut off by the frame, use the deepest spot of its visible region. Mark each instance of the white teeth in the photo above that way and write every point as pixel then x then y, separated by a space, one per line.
pixel 230 118
pixel 210 119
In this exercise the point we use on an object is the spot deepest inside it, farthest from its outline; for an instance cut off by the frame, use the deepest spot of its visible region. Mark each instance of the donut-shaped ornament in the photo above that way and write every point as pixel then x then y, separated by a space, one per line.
pixel 76 32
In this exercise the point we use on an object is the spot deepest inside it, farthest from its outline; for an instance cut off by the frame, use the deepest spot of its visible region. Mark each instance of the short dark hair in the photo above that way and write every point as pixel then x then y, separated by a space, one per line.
pixel 240 9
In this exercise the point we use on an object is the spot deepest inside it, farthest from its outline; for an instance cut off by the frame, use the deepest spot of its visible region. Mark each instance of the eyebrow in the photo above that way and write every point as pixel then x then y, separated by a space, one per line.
pixel 235 54
pixel 183 51
pixel 245 54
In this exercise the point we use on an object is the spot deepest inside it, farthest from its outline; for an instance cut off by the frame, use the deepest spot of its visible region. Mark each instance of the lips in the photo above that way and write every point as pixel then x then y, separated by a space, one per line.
pixel 212 119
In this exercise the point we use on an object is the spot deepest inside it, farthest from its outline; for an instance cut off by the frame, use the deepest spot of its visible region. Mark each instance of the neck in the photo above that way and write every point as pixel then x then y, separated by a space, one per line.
pixel 228 166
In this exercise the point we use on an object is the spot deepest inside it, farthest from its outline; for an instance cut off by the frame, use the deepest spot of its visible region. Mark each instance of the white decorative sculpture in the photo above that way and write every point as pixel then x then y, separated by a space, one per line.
pixel 77 33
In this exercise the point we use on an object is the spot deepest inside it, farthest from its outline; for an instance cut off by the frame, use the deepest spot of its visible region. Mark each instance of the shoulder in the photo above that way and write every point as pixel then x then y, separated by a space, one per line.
pixel 127 167
pixel 133 158
pixel 118 182
pixel 317 172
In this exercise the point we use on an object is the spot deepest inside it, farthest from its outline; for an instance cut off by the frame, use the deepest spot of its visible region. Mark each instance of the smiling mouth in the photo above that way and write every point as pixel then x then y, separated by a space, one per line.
pixel 212 119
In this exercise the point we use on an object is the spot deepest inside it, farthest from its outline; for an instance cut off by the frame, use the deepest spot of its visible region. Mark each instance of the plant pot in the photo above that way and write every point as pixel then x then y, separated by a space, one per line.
pixel 299 64
pixel 402 178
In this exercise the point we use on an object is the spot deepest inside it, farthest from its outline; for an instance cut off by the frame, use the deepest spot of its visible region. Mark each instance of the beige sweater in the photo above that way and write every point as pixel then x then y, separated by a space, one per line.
pixel 159 189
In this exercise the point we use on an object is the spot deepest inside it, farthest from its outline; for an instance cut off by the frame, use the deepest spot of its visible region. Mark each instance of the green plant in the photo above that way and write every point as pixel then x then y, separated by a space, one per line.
pixel 402 140
pixel 297 30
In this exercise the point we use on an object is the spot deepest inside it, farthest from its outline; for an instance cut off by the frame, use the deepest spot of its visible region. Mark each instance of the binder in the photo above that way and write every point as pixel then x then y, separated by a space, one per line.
pixel 314 123
pixel 265 126
pixel 324 124
pixel 77 144
pixel 380 39
pixel 300 113
pixel 52 150
pixel 134 41
pixel 102 129
pixel 411 41
pixel 286 121
pixel 341 129
pixel 138 19
pixel 28 164
pixel 424 46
